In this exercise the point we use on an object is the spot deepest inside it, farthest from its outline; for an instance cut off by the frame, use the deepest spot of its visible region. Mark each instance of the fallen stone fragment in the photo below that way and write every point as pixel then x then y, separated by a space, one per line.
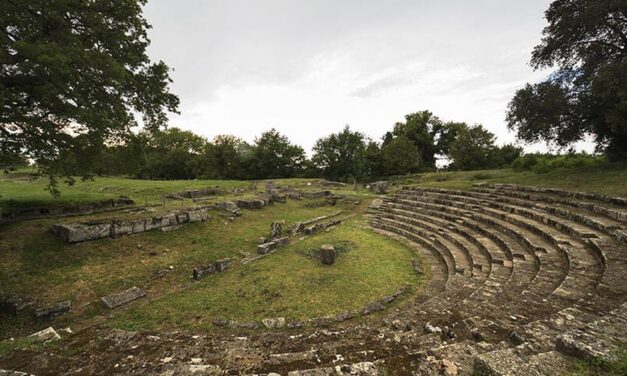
pixel 121 298
pixel 54 310
pixel 229 207
pixel 48 334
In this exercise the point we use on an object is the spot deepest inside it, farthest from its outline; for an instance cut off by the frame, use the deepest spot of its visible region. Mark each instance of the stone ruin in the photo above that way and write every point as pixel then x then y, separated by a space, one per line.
pixel 521 278
pixel 123 297
pixel 80 232
pixel 318 227
pixel 215 267
pixel 327 254
pixel 379 187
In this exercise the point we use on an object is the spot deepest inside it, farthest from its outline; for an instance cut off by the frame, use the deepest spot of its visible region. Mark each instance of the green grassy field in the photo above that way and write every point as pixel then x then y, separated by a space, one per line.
pixel 36 264
pixel 19 189
pixel 609 179
pixel 292 283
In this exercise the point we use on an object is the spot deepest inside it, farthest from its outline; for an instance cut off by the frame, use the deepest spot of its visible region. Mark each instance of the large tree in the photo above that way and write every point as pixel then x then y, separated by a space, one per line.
pixel 586 41
pixel 74 74
pixel 225 157
pixel 431 135
pixel 274 156
pixel 400 156
pixel 341 156
pixel 473 148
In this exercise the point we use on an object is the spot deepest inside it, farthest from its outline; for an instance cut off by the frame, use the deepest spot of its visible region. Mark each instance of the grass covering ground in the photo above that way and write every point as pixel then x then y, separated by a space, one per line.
pixel 19 189
pixel 291 283
pixel 34 263
pixel 608 179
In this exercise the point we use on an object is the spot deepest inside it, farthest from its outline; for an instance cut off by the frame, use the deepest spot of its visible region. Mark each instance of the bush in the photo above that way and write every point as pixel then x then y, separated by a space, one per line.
pixel 543 163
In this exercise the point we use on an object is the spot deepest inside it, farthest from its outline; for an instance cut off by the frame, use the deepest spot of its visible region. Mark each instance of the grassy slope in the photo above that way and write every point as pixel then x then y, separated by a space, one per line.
pixel 20 189
pixel 609 179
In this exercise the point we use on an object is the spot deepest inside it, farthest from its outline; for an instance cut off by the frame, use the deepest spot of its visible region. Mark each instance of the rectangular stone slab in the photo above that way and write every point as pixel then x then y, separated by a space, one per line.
pixel 121 298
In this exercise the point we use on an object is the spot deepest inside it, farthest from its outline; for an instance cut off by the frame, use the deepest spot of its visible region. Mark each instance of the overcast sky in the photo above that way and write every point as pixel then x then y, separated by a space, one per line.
pixel 308 67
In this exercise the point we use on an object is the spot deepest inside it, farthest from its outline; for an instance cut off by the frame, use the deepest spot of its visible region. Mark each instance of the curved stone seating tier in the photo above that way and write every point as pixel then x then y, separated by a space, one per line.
pixel 458 249
pixel 583 270
pixel 565 290
pixel 551 258
pixel 592 209
pixel 595 197
pixel 481 295
pixel 576 216
pixel 587 237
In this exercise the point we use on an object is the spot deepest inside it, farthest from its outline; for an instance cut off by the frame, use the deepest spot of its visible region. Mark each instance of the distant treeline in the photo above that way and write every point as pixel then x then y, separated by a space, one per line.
pixel 411 146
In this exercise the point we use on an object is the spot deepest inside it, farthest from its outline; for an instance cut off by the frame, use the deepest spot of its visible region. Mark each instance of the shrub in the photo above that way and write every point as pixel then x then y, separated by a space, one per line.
pixel 543 163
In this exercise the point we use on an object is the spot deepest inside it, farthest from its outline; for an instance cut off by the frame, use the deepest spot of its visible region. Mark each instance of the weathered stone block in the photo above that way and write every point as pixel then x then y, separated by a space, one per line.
pixel 121 298
pixel 119 228
pixel 153 223
pixel 139 226
pixel 54 310
pixel 229 207
pixel 198 215
pixel 275 229
pixel 222 265
pixel 75 233
pixel 266 248
pixel 182 217
pixel 279 197
pixel 251 204
pixel 202 271
pixel 327 254
pixel 274 323
pixel 48 334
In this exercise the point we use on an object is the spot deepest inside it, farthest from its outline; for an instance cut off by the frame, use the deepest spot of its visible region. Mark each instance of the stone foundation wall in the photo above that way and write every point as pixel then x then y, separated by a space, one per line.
pixel 80 232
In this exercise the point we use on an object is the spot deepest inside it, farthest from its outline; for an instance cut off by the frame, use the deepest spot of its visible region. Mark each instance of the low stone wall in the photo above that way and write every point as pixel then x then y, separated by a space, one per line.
pixel 251 203
pixel 270 246
pixel 216 267
pixel 300 226
pixel 80 232
pixel 321 227
pixel 26 307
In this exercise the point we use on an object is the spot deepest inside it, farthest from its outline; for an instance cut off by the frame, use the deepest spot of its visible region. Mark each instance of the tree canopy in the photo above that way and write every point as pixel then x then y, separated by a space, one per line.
pixel 341 156
pixel 586 41
pixel 74 74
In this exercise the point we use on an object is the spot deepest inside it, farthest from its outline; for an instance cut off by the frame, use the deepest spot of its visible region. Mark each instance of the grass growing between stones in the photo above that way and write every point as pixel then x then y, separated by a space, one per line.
pixel 34 263
pixel 289 283
pixel 597 367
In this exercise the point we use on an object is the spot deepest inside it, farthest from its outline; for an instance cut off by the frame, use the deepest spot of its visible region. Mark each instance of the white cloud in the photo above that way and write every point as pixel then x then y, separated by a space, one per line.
pixel 307 67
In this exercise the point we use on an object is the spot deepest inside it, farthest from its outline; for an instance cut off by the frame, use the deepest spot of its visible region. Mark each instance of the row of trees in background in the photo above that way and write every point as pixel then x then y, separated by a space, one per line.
pixel 412 146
